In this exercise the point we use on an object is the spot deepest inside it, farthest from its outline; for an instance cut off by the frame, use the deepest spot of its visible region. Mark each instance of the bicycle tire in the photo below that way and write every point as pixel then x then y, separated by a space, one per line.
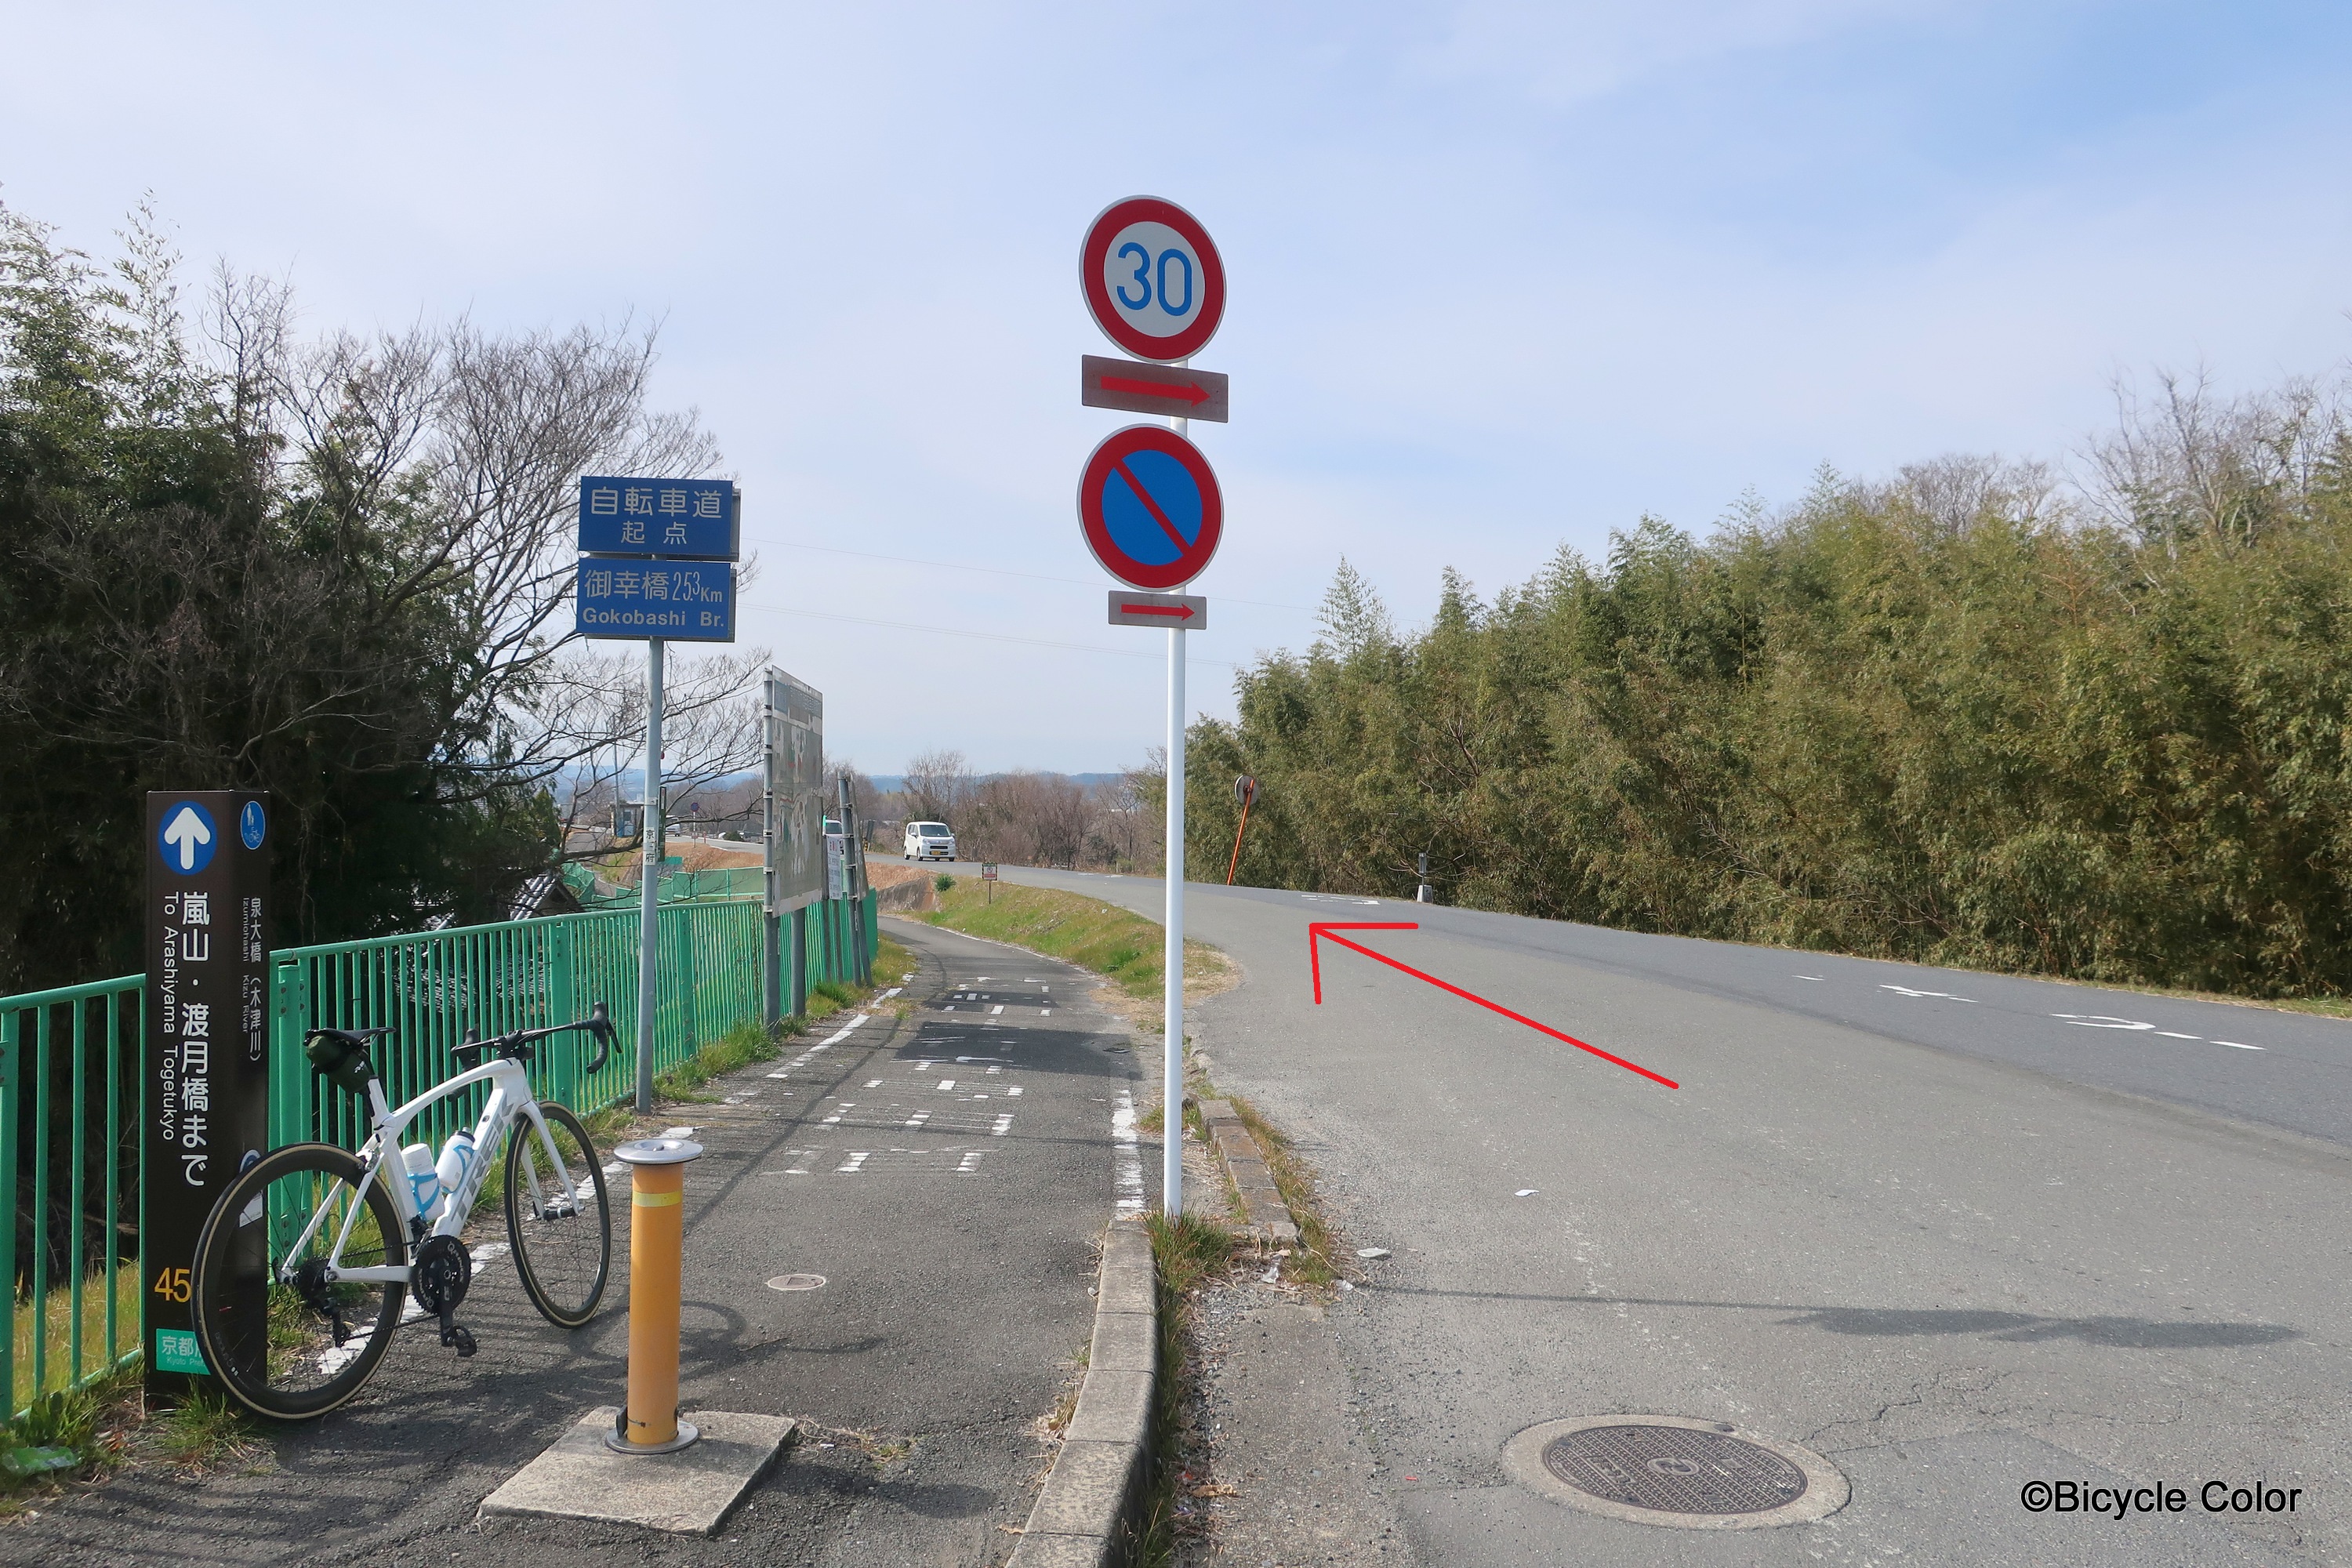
pixel 301 1369
pixel 563 1259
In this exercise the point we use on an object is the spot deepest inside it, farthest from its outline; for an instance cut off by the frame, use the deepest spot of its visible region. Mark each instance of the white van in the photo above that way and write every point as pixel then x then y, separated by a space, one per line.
pixel 929 841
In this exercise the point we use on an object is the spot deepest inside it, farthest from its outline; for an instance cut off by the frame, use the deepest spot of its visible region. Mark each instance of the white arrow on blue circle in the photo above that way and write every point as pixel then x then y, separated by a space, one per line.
pixel 187 832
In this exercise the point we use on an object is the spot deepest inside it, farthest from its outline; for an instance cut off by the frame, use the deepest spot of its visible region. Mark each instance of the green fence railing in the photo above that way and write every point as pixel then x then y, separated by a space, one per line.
pixel 71 1153
pixel 70 1162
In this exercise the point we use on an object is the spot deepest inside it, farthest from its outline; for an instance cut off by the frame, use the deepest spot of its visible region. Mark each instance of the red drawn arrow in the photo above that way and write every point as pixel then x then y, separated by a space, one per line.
pixel 1182 612
pixel 1323 928
pixel 1191 392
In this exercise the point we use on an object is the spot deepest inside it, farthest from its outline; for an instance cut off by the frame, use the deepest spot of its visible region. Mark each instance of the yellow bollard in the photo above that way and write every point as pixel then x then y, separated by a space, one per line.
pixel 649 1423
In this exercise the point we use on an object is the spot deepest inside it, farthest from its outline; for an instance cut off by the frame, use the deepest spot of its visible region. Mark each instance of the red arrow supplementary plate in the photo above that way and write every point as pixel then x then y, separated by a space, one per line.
pixel 1182 612
pixel 1191 392
pixel 1323 929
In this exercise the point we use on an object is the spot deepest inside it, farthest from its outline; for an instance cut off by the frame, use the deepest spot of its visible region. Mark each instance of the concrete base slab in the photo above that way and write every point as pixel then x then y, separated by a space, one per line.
pixel 689 1491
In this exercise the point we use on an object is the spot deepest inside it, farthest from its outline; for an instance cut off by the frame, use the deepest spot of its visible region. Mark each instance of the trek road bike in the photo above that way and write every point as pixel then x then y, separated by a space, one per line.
pixel 307 1262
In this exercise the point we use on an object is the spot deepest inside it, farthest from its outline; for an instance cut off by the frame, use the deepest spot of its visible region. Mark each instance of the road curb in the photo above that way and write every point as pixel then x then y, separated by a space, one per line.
pixel 1085 1517
pixel 1268 1215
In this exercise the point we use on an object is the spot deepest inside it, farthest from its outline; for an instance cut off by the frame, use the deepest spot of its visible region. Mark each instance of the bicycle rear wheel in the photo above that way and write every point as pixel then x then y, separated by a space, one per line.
pixel 283 1341
pixel 562 1230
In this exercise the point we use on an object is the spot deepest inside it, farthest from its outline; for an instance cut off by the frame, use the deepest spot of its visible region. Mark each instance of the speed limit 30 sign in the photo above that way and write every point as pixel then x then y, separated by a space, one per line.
pixel 1153 279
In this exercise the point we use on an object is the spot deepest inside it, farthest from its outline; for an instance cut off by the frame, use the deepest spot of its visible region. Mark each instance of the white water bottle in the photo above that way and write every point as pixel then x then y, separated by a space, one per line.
pixel 457 1159
pixel 423 1180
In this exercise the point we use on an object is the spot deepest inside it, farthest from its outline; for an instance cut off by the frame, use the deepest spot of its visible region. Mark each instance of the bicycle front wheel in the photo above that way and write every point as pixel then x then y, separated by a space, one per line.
pixel 557 1218
pixel 285 1340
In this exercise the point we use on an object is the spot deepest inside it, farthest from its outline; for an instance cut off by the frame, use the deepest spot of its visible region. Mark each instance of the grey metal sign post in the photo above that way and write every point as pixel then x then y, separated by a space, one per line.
pixel 655 563
pixel 207 1105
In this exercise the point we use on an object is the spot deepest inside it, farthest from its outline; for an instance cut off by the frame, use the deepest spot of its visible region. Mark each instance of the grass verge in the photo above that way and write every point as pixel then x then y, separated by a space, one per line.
pixel 1190 1254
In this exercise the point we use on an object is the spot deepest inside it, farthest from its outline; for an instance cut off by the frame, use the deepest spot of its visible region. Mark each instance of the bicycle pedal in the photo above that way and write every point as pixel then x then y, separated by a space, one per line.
pixel 460 1337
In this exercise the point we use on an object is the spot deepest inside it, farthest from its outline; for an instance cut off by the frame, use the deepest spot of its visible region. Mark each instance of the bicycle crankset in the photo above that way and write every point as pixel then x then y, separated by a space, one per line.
pixel 443 1271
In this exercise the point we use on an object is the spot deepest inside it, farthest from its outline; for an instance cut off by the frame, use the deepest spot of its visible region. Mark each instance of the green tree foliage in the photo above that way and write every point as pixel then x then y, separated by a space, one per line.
pixel 1960 719
pixel 326 571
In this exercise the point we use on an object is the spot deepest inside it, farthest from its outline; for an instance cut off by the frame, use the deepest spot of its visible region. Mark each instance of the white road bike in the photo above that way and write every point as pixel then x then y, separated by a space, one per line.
pixel 306 1260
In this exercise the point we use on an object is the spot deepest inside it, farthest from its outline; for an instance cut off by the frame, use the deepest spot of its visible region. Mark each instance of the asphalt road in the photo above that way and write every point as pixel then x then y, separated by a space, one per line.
pixel 947 1174
pixel 1956 1232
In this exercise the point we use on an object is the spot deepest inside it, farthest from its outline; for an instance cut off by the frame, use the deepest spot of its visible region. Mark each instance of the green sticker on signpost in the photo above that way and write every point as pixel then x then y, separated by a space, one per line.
pixel 177 1351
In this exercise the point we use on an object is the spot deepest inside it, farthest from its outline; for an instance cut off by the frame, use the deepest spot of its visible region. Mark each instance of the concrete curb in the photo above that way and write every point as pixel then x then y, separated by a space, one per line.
pixel 1085 1516
pixel 1262 1206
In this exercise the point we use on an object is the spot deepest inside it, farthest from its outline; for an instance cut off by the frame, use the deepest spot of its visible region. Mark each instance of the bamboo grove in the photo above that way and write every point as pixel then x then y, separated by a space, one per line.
pixel 1969 717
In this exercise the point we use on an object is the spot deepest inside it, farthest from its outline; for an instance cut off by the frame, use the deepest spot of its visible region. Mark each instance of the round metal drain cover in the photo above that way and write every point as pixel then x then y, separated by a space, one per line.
pixel 796 1282
pixel 1670 1471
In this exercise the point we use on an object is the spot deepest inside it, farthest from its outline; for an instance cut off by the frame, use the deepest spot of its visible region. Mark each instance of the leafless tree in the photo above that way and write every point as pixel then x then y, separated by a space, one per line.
pixel 938 786
pixel 2190 463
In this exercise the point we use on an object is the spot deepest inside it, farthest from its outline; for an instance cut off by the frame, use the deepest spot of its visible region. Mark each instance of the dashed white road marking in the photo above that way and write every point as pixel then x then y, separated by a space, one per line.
pixel 1014 1090
pixel 2237 1045
pixel 1938 995
pixel 971 1163
pixel 919 1118
pixel 873 1083
pixel 1003 1125
pixel 947 1085
pixel 798 1166
pixel 2177 1035
pixel 998 1008
pixel 1044 1012
pixel 853 1162
pixel 1126 1162
pixel 836 1113
pixel 1808 977
pixel 2101 1021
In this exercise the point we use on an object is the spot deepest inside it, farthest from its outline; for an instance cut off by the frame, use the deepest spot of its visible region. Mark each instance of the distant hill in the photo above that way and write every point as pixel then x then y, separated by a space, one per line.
pixel 889 783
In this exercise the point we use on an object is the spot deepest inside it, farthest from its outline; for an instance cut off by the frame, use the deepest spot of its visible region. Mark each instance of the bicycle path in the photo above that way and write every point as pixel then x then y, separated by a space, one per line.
pixel 947 1174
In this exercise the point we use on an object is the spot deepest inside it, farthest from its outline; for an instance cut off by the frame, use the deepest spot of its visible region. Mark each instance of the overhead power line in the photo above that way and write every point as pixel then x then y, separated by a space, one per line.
pixel 984 636
pixel 1004 572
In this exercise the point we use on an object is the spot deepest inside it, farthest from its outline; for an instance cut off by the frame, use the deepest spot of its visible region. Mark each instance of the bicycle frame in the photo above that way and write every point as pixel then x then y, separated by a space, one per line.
pixel 509 1097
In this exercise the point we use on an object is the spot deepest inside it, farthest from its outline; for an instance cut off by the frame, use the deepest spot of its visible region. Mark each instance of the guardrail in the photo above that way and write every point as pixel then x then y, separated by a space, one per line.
pixel 72 1081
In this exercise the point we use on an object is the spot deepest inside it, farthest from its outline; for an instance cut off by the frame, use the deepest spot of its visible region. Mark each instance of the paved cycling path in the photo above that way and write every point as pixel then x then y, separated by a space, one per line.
pixel 951 1206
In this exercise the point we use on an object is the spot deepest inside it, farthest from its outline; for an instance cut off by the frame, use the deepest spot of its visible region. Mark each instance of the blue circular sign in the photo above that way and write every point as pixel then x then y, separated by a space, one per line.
pixel 252 825
pixel 1151 508
pixel 187 838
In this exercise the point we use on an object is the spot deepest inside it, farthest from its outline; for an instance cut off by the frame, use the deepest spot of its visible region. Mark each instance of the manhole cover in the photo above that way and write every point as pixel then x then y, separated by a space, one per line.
pixel 796 1282
pixel 1670 1471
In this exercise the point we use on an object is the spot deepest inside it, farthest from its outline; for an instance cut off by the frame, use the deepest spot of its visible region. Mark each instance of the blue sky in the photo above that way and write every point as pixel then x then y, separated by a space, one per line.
pixel 1502 276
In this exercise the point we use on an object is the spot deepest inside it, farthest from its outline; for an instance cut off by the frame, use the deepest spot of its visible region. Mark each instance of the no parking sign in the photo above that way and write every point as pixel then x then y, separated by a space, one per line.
pixel 1151 508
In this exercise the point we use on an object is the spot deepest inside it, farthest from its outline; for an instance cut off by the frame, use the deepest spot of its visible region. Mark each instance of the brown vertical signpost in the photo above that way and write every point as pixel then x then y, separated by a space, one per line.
pixel 206 1061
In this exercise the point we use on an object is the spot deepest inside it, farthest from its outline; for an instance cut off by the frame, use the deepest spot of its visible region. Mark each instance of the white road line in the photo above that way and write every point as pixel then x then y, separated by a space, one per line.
pixel 1938 995
pixel 614 1168
pixel 2237 1045
pixel 677 1132
pixel 971 1162
pixel 1807 977
pixel 1014 1090
pixel 2101 1021
pixel 948 1007
pixel 2176 1034
pixel 1003 1125
pixel 853 1162
pixel 800 1158
pixel 887 994
pixel 873 1083
pixel 1127 1163
pixel 837 1115
pixel 999 1068
pixel 998 1008
pixel 919 1118
pixel 947 1085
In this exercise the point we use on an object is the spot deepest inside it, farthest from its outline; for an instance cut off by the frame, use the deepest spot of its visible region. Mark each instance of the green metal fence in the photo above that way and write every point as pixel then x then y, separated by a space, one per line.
pixel 72 1159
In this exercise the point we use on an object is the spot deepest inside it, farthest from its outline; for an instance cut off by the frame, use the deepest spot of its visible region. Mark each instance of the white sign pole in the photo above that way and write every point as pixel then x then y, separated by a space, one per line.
pixel 649 823
pixel 1171 1134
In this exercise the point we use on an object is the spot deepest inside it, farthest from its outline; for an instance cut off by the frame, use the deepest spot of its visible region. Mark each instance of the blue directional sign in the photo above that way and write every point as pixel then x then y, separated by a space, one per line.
pixel 682 601
pixel 686 518
pixel 187 838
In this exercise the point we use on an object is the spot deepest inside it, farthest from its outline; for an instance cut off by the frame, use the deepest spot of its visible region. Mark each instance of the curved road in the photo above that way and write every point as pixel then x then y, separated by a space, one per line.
pixel 1956 1232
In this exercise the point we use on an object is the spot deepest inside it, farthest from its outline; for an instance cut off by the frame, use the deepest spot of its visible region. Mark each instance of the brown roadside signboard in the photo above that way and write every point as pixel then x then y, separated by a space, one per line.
pixel 1170 390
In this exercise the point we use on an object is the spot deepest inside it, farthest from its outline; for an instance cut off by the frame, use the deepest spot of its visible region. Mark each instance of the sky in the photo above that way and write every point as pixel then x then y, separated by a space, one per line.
pixel 1502 277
